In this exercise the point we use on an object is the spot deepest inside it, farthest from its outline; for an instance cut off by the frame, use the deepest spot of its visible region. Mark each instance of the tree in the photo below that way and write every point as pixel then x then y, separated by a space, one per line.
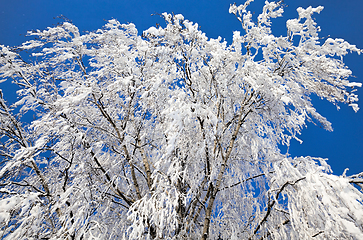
pixel 171 135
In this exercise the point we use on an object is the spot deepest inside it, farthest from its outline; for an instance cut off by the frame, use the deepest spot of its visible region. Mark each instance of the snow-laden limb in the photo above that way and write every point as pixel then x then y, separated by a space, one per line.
pixel 171 135
pixel 315 195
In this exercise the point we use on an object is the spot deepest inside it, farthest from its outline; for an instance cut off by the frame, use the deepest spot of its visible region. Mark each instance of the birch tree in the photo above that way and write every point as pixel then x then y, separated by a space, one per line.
pixel 170 134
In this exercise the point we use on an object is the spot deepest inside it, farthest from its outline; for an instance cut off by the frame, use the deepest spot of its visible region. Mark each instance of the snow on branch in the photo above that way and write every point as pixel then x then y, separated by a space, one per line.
pixel 173 135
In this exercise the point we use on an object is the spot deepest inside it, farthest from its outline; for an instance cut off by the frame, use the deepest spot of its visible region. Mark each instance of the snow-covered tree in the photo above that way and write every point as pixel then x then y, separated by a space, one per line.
pixel 171 135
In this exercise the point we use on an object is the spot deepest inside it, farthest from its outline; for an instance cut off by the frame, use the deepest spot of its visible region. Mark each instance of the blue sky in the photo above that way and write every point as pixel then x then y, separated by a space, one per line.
pixel 339 19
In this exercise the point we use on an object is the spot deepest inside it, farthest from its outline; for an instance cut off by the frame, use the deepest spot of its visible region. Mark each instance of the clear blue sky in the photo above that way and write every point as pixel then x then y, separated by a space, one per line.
pixel 340 19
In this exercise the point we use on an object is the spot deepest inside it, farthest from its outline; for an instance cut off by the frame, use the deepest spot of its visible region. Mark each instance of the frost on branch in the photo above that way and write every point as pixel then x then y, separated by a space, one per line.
pixel 171 135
